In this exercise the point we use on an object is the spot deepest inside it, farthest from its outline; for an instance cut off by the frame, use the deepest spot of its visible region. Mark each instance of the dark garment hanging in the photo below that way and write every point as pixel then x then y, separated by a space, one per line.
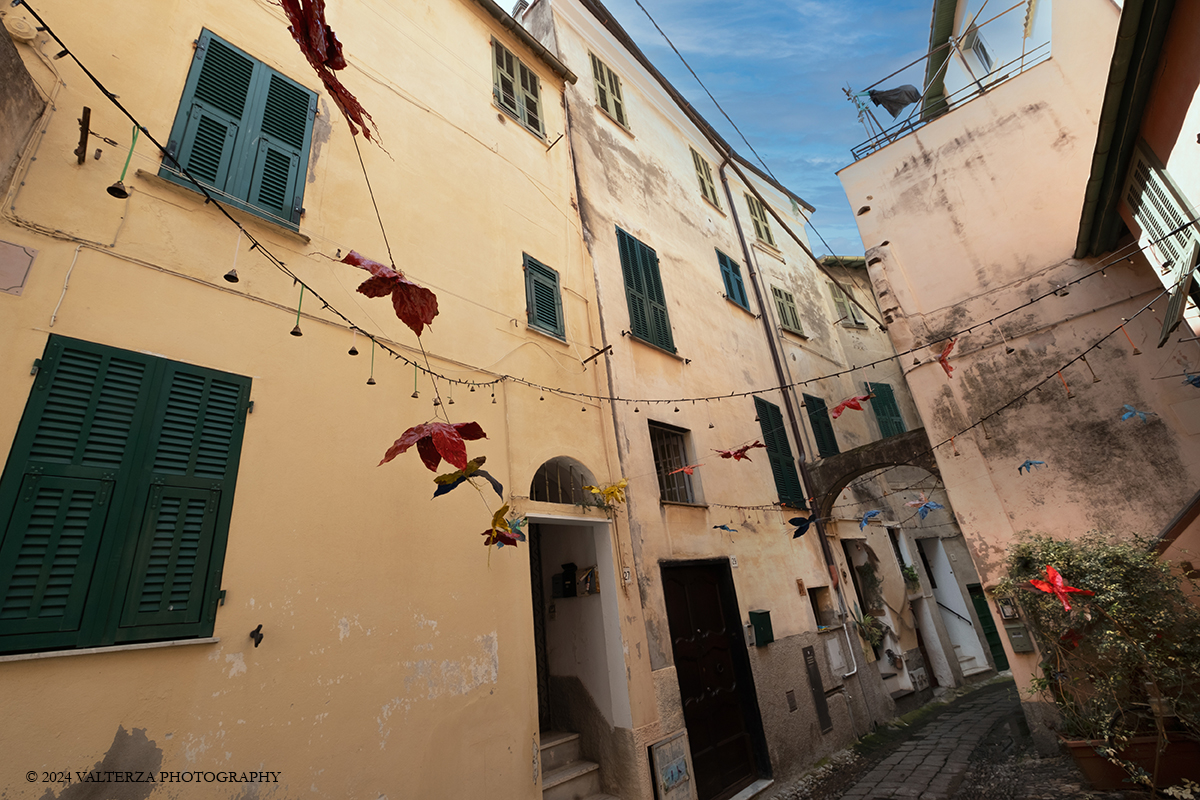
pixel 894 100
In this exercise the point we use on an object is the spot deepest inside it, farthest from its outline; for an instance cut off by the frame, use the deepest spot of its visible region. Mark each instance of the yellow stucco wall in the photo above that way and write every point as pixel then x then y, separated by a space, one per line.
pixel 398 654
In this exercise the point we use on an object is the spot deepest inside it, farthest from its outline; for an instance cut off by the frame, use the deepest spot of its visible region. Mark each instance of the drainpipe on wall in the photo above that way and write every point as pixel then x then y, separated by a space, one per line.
pixel 791 411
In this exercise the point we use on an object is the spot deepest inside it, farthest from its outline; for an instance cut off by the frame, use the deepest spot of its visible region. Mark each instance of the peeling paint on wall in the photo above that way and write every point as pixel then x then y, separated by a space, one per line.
pixel 130 751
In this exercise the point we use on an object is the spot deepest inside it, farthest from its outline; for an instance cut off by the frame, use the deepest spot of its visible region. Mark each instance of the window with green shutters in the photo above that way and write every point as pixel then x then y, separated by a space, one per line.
pixel 243 130
pixel 543 297
pixel 758 215
pixel 822 426
pixel 887 413
pixel 517 89
pixel 704 176
pixel 118 492
pixel 848 313
pixel 669 448
pixel 785 304
pixel 648 318
pixel 608 91
pixel 731 274
pixel 779 453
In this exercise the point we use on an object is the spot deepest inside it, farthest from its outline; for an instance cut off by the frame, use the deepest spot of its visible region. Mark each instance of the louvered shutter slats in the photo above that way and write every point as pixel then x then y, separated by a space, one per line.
pixel 822 426
pixel 779 453
pixel 887 412
pixel 544 297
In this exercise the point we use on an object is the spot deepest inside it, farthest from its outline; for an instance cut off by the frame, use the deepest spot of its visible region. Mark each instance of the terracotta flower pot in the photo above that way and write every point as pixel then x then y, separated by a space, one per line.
pixel 1180 760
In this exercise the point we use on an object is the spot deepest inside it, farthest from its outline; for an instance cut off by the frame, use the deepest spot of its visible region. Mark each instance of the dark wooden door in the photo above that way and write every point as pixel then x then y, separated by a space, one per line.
pixel 983 609
pixel 719 704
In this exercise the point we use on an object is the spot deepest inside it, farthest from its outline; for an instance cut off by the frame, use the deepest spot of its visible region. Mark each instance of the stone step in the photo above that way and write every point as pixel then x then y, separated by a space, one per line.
pixel 558 748
pixel 976 670
pixel 574 781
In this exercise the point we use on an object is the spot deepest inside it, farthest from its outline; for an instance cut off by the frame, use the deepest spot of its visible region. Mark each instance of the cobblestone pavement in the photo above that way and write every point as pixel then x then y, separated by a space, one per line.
pixel 974 747
pixel 933 762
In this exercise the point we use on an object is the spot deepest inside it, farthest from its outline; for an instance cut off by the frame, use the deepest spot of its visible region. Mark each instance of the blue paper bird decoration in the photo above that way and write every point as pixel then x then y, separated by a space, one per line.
pixel 1194 380
pixel 924 510
pixel 725 528
pixel 1131 412
pixel 1029 465
pixel 802 524
pixel 875 512
pixel 515 525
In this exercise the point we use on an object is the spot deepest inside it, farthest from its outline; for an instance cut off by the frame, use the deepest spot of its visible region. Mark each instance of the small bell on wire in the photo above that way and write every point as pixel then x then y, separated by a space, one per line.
pixel 296 330
pixel 472 388
pixel 676 409
pixel 353 349
pixel 1136 352
pixel 118 189
pixel 415 393
pixel 371 379
pixel 1070 394
pixel 493 398
pixel 583 408
pixel 711 426
pixel 231 276
pixel 916 362
pixel 436 402
pixel 1095 378
pixel 637 410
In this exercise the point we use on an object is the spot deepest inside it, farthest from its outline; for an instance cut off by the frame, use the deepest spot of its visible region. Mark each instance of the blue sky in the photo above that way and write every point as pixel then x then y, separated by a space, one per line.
pixel 778 67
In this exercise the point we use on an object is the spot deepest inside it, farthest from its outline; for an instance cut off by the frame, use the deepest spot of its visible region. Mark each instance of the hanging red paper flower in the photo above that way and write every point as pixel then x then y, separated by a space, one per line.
pixel 415 305
pixel 1054 585
pixel 689 469
pixel 435 441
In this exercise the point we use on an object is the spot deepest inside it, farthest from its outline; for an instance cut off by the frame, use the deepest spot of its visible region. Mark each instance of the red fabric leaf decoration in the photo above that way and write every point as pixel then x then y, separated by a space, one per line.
pixel 689 469
pixel 944 359
pixel 415 305
pixel 739 453
pixel 321 47
pixel 435 441
pixel 1057 586
pixel 853 402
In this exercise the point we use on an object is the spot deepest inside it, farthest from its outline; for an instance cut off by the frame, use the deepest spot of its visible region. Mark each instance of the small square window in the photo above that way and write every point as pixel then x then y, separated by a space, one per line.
pixel 704 176
pixel 516 89
pixel 670 456
pixel 789 319
pixel 758 214
pixel 543 298
pixel 848 313
pixel 608 91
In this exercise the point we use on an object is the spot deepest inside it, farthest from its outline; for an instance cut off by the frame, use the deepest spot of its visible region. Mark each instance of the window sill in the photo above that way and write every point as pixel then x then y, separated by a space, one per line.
pixel 739 306
pixel 862 326
pixel 714 206
pixel 795 333
pixel 116 648
pixel 653 346
pixel 506 115
pixel 546 333
pixel 241 215
pixel 684 505
pixel 769 249
pixel 614 121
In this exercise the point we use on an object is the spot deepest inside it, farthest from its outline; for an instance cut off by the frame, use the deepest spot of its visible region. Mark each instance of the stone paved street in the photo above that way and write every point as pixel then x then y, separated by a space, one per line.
pixel 973 747
pixel 933 762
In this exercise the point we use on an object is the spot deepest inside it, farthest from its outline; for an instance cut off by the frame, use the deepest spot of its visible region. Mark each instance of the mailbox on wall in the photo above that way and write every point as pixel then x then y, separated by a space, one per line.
pixel 1018 636
pixel 761 622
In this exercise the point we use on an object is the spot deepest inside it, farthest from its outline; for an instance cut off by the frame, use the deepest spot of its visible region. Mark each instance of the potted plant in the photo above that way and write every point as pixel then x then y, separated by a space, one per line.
pixel 1120 646
pixel 912 580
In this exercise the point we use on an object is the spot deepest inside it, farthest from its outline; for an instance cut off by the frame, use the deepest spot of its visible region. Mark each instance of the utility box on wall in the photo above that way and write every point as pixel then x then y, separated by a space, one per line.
pixel 761 622
pixel 1018 636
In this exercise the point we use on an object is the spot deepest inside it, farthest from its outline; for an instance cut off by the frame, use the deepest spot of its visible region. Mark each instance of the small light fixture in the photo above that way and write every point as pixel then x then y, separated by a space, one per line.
pixel 231 276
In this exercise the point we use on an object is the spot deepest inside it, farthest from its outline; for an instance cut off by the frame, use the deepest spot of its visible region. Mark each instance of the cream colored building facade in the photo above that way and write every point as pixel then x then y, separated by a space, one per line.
pixel 972 223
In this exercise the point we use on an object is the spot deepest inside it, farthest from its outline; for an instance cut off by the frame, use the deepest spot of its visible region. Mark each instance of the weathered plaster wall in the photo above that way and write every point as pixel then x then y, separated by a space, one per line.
pixel 398 656
pixel 974 215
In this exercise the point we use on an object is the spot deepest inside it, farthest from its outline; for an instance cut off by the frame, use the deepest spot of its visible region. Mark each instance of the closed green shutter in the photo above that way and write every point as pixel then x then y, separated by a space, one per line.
pixel 648 316
pixel 615 96
pixel 505 79
pixel 779 453
pixel 758 214
pixel 120 485
pixel 789 318
pixel 822 426
pixel 704 176
pixel 244 130
pixel 887 413
pixel 530 98
pixel 731 274
pixel 543 297
pixel 608 90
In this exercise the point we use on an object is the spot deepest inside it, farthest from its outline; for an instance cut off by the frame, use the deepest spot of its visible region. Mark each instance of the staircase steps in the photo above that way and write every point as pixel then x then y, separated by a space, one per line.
pixel 565 774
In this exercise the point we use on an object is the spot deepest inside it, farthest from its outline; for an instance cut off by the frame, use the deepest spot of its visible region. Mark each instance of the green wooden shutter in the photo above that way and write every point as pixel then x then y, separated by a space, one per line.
pixel 731 274
pixel 660 322
pixel 614 93
pixel 635 287
pixel 822 426
pixel 779 453
pixel 531 103
pixel 183 524
pixel 543 297
pixel 600 78
pixel 213 112
pixel 758 214
pixel 284 133
pixel 47 557
pixel 887 413
pixel 505 79
pixel 785 304
pixel 704 176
